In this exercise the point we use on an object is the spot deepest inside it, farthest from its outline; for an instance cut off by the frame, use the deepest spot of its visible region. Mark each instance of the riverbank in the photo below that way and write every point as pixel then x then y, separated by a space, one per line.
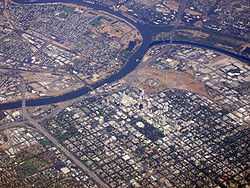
pixel 134 60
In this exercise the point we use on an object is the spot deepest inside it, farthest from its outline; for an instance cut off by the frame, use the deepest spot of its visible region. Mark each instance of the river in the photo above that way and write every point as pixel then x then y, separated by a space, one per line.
pixel 147 31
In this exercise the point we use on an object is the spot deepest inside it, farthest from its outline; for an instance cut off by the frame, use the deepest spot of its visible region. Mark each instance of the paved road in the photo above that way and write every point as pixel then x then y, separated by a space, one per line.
pixel 44 132
pixel 66 152
pixel 12 125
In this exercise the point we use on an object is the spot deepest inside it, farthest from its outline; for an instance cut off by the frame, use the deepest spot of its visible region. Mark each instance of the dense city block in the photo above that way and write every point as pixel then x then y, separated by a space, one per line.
pixel 124 94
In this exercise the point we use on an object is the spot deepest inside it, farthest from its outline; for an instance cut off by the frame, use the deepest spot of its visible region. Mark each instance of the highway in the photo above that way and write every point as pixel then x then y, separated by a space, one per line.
pixel 66 152
pixel 32 122
pixel 147 33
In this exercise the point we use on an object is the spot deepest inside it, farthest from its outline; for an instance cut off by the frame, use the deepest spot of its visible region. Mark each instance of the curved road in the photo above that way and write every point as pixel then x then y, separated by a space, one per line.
pixel 147 32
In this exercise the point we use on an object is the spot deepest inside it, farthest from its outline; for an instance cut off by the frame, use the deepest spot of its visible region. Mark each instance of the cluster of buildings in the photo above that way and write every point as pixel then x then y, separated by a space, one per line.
pixel 156 12
pixel 55 48
pixel 173 138
pixel 181 119
pixel 225 79
pixel 29 159
pixel 230 17
pixel 10 116
pixel 81 31
pixel 10 83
